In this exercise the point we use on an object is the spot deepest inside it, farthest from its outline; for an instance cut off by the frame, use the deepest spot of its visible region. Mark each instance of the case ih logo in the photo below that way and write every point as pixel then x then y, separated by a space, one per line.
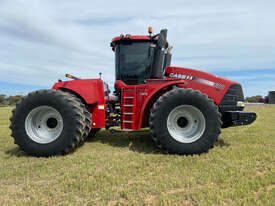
pixel 181 76
pixel 203 81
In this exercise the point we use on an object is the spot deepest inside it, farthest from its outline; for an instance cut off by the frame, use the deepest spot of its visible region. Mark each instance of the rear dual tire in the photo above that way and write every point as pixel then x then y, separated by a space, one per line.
pixel 49 122
pixel 185 121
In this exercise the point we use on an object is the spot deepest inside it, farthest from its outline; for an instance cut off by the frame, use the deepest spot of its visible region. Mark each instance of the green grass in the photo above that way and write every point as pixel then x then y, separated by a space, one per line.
pixel 126 169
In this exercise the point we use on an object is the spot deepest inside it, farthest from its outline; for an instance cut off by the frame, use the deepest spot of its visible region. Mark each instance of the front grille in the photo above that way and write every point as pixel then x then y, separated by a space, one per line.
pixel 231 97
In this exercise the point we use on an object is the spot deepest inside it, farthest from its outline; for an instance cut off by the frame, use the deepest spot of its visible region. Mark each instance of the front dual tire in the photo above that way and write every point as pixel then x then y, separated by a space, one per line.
pixel 49 122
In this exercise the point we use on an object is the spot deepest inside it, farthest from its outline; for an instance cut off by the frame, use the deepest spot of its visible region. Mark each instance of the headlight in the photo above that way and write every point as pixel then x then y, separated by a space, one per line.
pixel 240 104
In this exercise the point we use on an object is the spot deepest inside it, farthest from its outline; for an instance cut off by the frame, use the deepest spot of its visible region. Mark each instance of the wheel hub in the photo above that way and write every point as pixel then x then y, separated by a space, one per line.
pixel 182 122
pixel 44 124
pixel 186 123
pixel 52 123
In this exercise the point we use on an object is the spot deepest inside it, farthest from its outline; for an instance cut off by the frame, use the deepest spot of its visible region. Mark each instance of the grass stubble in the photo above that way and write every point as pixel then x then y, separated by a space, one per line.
pixel 127 169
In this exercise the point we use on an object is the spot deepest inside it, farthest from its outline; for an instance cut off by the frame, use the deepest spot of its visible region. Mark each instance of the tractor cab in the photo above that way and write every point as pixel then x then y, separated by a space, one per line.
pixel 138 58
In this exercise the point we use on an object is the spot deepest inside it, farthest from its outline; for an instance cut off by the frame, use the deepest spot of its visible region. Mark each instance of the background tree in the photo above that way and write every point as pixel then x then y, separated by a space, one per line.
pixel 9 100
pixel 254 99
pixel 2 98
pixel 12 100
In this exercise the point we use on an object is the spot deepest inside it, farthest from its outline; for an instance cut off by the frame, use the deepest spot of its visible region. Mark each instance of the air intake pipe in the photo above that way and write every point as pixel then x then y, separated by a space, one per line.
pixel 157 68
pixel 167 58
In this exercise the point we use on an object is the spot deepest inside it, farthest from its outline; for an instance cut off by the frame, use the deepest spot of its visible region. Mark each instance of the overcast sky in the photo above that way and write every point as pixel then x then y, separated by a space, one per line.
pixel 40 40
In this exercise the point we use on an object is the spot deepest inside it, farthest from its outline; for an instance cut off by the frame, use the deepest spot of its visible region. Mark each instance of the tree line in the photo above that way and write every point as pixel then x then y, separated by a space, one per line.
pixel 12 100
pixel 9 100
pixel 256 99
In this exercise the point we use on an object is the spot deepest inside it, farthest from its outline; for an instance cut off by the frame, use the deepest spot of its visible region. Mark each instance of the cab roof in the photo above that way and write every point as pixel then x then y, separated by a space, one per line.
pixel 132 38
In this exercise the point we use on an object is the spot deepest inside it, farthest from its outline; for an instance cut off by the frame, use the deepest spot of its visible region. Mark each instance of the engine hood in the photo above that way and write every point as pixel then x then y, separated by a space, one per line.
pixel 199 76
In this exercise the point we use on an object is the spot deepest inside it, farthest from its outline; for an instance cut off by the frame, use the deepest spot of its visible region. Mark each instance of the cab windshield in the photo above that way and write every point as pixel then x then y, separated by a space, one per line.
pixel 133 62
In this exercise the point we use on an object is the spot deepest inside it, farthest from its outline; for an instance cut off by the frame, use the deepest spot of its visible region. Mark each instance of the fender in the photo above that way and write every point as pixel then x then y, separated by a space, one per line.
pixel 92 92
pixel 153 87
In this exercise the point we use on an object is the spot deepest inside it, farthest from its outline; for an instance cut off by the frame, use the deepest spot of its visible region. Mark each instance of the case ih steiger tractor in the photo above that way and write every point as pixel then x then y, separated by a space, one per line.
pixel 184 108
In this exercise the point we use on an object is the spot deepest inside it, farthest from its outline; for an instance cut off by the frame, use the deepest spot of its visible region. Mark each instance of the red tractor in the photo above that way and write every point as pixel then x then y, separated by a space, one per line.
pixel 184 108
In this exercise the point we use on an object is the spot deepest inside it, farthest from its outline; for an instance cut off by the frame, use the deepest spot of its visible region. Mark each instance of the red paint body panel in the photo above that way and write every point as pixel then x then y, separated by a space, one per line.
pixel 134 37
pixel 210 91
pixel 130 95
pixel 137 100
pixel 144 95
pixel 89 89
pixel 92 92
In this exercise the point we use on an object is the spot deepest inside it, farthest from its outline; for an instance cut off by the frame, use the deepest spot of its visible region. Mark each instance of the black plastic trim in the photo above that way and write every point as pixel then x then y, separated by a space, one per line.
pixel 231 98
pixel 237 118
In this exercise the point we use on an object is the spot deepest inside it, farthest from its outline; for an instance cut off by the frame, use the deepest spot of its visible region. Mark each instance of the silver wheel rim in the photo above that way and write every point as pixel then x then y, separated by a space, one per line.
pixel 44 124
pixel 186 123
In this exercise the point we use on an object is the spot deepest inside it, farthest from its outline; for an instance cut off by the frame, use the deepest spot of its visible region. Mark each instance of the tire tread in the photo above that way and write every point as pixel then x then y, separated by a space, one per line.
pixel 155 133
pixel 70 102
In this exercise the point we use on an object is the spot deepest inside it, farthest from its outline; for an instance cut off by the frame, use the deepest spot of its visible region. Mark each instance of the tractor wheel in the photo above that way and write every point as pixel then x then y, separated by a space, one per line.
pixel 185 121
pixel 87 115
pixel 47 123
pixel 93 132
pixel 88 131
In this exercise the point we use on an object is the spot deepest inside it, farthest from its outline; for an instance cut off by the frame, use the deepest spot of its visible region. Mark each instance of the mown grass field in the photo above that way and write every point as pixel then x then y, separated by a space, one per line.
pixel 126 169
